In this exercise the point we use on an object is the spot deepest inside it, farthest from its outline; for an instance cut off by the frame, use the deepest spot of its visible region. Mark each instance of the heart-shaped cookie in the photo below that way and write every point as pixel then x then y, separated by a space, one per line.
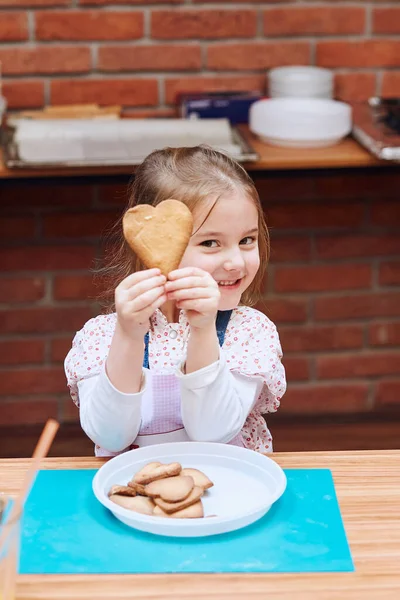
pixel 171 507
pixel 154 471
pixel 170 489
pixel 137 503
pixel 159 235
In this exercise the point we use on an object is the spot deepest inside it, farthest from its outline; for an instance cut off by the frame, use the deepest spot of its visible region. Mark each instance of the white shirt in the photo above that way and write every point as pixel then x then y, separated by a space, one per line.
pixel 217 403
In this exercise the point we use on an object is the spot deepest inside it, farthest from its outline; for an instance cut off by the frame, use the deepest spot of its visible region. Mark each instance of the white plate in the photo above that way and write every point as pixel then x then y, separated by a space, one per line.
pixel 300 122
pixel 246 484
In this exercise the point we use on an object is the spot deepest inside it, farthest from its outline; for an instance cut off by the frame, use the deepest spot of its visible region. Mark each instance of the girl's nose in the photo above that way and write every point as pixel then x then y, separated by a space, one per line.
pixel 234 261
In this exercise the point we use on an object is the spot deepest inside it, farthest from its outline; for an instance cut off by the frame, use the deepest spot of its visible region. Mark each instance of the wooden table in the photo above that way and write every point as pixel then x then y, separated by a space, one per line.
pixel 347 154
pixel 368 490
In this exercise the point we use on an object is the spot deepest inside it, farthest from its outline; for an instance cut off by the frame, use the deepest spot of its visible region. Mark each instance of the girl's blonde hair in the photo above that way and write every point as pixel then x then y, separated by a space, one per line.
pixel 190 175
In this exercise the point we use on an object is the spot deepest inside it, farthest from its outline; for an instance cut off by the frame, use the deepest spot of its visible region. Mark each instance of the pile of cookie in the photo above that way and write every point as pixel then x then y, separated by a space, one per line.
pixel 164 490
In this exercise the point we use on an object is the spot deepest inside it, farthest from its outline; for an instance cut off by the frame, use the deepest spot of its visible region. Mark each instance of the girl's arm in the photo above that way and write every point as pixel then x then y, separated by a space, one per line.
pixel 216 401
pixel 107 381
pixel 110 403
pixel 109 417
pixel 248 377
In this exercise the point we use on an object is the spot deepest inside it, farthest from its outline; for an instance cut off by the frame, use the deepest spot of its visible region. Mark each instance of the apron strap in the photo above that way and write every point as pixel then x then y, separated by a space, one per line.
pixel 221 324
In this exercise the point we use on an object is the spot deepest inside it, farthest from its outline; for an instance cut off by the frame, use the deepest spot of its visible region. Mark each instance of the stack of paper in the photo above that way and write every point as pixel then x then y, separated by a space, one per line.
pixel 124 141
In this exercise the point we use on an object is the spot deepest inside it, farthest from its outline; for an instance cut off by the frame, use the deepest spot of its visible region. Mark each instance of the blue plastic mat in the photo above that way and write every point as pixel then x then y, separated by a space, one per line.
pixel 66 530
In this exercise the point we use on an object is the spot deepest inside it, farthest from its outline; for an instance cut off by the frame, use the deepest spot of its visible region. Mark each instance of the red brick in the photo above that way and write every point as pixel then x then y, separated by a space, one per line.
pixel 89 25
pixel 391 83
pixel 60 348
pixel 126 2
pixel 284 311
pixel 113 193
pixel 354 87
pixel 363 53
pixel 319 278
pixel 297 369
pixel 45 258
pixel 316 338
pixel 370 184
pixel 358 365
pixel 45 60
pixel 16 352
pixel 13 26
pixel 385 214
pixel 288 249
pixel 14 290
pixel 325 399
pixel 38 194
pixel 357 306
pixel 298 186
pixel 386 20
pixel 43 320
pixel 389 273
pixel 306 215
pixel 74 287
pixel 128 92
pixel 388 392
pixel 78 225
pixel 306 20
pixel 257 55
pixel 349 246
pixel 176 86
pixel 238 1
pixel 385 334
pixel 28 411
pixel 150 58
pixel 33 3
pixel 24 94
pixel 69 411
pixel 203 24
pixel 17 227
pixel 32 381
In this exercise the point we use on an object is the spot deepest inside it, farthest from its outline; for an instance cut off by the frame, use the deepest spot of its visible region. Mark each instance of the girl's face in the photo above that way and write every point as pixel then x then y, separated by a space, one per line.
pixel 226 245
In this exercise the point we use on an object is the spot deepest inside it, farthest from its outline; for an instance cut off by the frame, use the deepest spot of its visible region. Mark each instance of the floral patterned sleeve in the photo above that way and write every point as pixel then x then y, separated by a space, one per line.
pixel 89 352
pixel 252 347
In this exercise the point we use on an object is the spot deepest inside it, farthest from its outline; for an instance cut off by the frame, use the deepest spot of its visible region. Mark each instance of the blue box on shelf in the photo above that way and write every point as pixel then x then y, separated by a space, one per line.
pixel 218 105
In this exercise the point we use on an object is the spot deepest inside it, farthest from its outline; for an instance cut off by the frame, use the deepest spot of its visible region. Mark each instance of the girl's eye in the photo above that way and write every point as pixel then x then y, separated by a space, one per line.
pixel 248 240
pixel 209 244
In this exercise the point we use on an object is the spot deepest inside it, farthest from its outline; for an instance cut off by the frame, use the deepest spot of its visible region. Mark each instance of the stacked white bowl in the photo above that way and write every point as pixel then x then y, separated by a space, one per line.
pixel 300 122
pixel 300 82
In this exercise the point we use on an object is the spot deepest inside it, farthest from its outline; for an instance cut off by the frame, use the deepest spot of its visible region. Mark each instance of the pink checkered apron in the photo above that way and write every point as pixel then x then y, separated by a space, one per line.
pixel 161 406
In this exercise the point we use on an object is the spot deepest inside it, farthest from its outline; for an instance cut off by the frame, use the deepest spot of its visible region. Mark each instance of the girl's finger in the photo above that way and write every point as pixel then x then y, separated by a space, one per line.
pixel 145 300
pixel 201 305
pixel 143 286
pixel 187 282
pixel 193 293
pixel 145 314
pixel 185 272
pixel 134 278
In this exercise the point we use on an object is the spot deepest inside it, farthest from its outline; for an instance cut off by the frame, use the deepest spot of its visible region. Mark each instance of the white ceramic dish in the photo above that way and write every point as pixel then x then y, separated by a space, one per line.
pixel 301 122
pixel 246 484
pixel 300 82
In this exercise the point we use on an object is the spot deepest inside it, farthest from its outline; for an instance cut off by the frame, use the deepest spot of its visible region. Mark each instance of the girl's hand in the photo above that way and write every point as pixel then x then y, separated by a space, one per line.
pixel 136 299
pixel 195 291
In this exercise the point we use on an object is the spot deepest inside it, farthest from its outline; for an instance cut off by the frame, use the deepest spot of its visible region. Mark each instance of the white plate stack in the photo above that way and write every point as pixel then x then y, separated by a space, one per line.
pixel 300 122
pixel 300 82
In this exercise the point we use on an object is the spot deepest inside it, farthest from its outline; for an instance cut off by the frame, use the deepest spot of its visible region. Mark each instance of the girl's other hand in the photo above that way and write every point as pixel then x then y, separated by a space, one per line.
pixel 136 299
pixel 195 291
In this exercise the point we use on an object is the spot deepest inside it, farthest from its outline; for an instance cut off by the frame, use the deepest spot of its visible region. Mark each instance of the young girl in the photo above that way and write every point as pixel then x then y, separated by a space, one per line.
pixel 184 358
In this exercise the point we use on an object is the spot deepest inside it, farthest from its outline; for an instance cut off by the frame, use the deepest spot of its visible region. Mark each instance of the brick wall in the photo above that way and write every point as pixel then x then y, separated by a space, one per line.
pixel 140 54
pixel 333 287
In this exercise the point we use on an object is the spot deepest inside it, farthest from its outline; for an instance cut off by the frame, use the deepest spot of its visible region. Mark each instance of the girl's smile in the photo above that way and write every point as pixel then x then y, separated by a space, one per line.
pixel 225 244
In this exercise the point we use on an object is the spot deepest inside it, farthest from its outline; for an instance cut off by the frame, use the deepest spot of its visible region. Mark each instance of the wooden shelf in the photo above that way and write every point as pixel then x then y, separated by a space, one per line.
pixel 346 154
